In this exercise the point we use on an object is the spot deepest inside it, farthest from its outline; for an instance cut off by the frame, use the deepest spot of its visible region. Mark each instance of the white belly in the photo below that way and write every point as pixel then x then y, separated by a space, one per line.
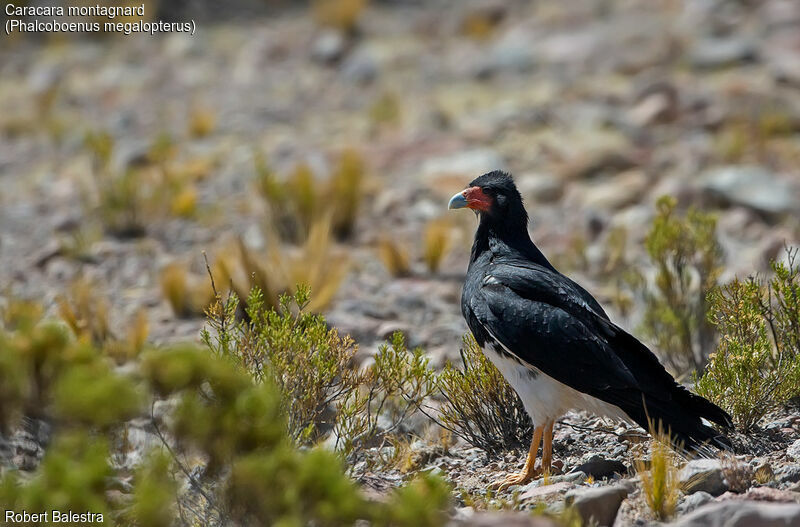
pixel 545 398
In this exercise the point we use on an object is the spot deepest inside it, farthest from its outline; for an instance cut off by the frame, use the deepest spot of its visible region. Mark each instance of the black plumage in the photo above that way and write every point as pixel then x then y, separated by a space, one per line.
pixel 517 302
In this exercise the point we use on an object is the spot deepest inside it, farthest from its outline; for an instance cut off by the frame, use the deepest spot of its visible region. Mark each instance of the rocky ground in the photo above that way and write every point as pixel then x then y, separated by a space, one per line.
pixel 597 107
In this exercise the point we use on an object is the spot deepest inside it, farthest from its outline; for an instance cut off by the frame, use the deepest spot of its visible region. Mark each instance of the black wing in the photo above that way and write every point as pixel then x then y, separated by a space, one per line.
pixel 547 321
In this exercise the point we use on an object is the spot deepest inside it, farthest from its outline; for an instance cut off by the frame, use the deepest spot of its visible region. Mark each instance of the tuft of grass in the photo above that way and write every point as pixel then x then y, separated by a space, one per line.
pixel 346 192
pixel 85 310
pixel 688 261
pixel 386 110
pixel 299 201
pixel 339 14
pixel 436 243
pixel 201 122
pixel 124 201
pixel 394 256
pixel 756 365
pixel 317 263
pixel 188 295
pixel 184 203
pixel 660 478
pixel 480 406
pixel 763 474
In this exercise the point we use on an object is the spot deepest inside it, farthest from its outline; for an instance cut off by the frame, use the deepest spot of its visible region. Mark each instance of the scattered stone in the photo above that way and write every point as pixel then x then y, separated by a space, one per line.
pixel 786 69
pixel 515 52
pixel 597 506
pixel 599 468
pixel 543 188
pixel 712 53
pixel 329 47
pixel 538 493
pixel 770 494
pixel 703 475
pixel 616 193
pixel 693 501
pixel 789 474
pixel 737 513
pixel 360 67
pixel 503 519
pixel 750 186
pixel 471 163
pixel 794 450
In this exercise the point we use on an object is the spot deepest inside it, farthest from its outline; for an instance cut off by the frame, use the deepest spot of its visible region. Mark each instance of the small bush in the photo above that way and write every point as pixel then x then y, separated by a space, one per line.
pixel 387 393
pixel 756 366
pixel 688 259
pixel 480 406
pixel 660 478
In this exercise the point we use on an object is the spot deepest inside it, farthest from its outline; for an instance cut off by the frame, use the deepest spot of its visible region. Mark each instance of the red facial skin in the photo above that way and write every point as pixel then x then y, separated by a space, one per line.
pixel 477 199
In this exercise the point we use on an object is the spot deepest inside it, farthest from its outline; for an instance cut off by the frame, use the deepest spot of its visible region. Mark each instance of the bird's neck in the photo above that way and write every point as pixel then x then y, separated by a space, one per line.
pixel 506 241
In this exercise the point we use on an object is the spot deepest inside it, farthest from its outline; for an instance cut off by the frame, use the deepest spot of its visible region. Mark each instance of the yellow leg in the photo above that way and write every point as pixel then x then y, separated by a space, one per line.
pixel 547 448
pixel 528 471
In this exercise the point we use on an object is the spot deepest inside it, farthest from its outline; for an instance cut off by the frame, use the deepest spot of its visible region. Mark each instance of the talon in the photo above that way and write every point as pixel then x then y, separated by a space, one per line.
pixel 520 478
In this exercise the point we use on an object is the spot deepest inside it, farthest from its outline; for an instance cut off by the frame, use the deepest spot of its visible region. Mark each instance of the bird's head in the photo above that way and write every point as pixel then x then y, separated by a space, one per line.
pixel 494 198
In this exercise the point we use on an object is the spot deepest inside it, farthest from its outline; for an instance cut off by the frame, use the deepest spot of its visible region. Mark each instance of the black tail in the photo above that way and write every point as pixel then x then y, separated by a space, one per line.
pixel 682 418
pixel 665 401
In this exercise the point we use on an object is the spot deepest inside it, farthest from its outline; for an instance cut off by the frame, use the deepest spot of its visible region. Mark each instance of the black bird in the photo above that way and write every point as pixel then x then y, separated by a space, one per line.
pixel 554 343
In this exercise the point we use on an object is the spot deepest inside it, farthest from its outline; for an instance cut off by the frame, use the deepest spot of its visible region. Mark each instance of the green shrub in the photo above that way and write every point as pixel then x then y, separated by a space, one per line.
pixel 72 477
pixel 688 259
pixel 480 406
pixel 757 362
pixel 313 367
pixel 390 389
pixel 225 456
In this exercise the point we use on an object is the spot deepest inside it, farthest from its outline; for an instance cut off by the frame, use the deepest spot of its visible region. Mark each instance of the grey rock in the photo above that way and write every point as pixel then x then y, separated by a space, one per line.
pixel 543 188
pixel 597 506
pixel 514 53
pixel 503 519
pixel 786 69
pixel 464 163
pixel 737 513
pixel 721 52
pixel 329 46
pixel 789 474
pixel 703 475
pixel 794 450
pixel 752 187
pixel 599 467
pixel 693 501
pixel 360 67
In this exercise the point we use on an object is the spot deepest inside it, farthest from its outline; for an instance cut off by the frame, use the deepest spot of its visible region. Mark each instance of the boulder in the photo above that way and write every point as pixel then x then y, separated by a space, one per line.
pixel 736 513
pixel 693 501
pixel 750 186
pixel 794 450
pixel 502 519
pixel 600 468
pixel 597 506
pixel 703 475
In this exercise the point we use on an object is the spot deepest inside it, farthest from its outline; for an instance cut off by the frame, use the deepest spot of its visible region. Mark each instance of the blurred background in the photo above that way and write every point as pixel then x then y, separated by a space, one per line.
pixel 319 141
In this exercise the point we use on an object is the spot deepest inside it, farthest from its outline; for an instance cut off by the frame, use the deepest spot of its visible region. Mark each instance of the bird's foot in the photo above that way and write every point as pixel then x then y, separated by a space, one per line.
pixel 519 478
